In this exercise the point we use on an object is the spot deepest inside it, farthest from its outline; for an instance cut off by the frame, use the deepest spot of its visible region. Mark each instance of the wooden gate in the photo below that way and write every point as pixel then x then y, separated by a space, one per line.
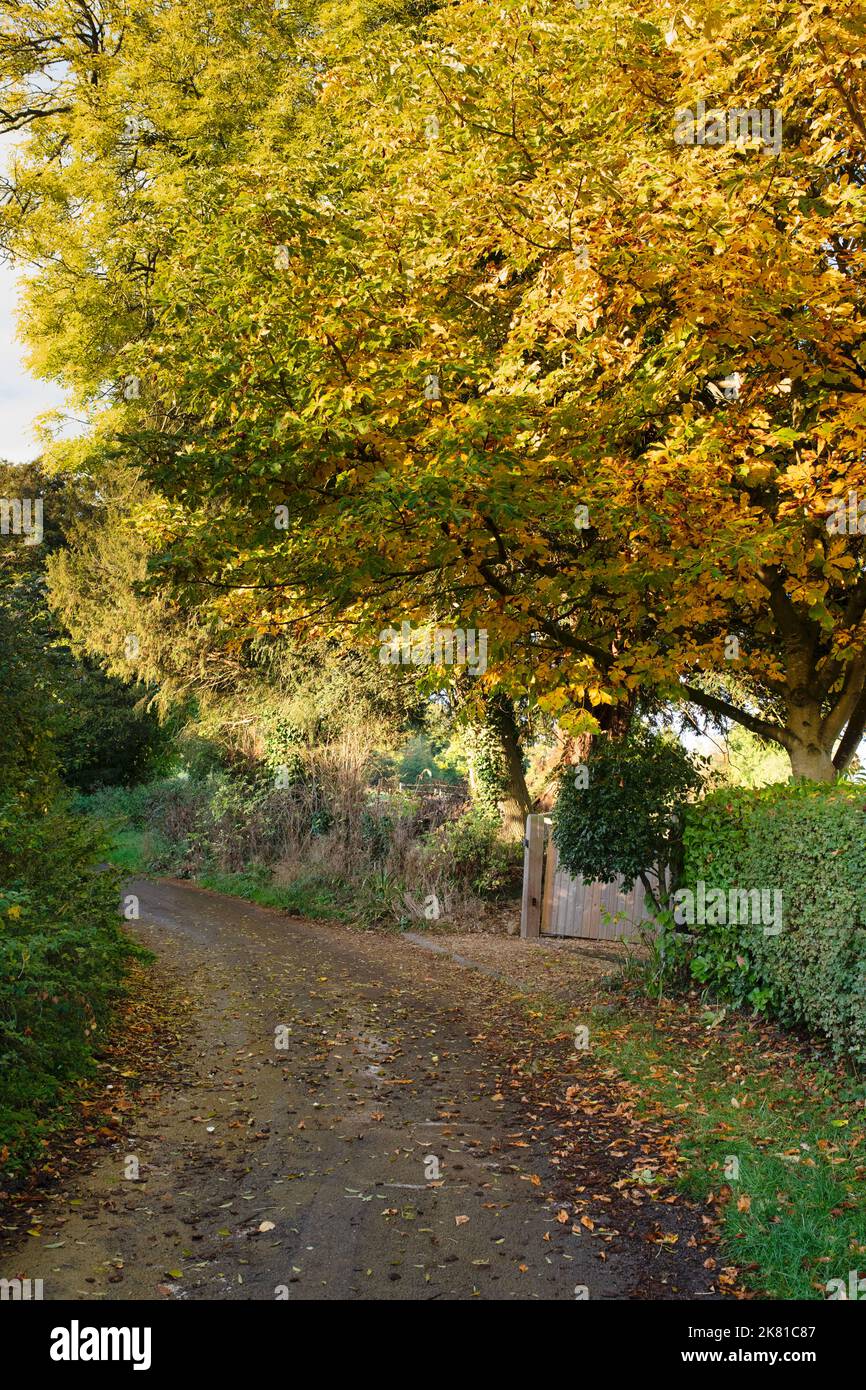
pixel 555 904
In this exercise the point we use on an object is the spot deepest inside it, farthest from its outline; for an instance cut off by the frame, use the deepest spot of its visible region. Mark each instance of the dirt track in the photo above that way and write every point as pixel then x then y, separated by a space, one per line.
pixel 309 1171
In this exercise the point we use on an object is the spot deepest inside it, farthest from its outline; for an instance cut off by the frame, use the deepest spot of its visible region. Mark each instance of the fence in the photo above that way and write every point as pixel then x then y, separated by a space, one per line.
pixel 555 904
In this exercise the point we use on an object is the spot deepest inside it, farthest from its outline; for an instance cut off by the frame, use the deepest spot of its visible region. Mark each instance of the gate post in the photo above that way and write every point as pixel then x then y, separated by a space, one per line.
pixel 533 869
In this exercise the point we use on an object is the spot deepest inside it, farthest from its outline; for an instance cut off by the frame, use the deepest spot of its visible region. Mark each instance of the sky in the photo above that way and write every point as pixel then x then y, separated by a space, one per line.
pixel 22 397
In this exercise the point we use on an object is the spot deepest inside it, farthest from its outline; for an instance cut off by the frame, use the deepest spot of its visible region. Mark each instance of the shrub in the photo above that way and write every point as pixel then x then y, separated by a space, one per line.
pixel 116 805
pixel 331 825
pixel 808 842
pixel 387 822
pixel 621 814
pixel 469 852
pixel 62 956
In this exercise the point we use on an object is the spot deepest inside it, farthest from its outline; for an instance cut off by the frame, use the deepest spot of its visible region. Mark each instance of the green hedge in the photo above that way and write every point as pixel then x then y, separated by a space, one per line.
pixel 808 841
pixel 62 959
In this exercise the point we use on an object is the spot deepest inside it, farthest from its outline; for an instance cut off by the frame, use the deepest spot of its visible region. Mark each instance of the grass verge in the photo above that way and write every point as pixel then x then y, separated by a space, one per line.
pixel 313 897
pixel 764 1122
pixel 307 897
pixel 126 850
pixel 758 1127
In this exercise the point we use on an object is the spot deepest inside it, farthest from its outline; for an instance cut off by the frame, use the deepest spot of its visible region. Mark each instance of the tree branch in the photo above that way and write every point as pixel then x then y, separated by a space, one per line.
pixel 853 734
pixel 774 732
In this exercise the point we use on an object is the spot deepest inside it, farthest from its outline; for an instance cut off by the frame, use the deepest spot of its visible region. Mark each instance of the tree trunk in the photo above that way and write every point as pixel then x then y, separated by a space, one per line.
pixel 497 779
pixel 808 734
pixel 812 763
pixel 810 757
pixel 510 736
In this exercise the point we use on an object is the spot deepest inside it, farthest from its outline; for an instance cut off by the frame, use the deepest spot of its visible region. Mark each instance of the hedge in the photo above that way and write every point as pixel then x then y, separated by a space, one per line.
pixel 807 841
pixel 62 962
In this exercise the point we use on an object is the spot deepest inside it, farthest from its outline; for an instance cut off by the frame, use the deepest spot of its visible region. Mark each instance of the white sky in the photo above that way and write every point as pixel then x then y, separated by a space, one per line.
pixel 22 397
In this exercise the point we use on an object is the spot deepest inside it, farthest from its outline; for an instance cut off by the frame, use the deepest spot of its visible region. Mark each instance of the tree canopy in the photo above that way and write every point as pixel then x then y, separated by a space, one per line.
pixel 64 717
pixel 408 312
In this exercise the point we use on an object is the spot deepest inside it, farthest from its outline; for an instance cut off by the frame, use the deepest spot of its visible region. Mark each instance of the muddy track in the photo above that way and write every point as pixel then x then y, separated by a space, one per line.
pixel 334 1130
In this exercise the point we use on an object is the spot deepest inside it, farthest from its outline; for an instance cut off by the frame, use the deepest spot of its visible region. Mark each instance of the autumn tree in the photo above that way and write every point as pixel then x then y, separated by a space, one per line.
pixel 438 319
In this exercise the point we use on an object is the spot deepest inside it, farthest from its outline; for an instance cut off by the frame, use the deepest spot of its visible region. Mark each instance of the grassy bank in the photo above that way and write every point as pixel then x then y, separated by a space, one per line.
pixel 382 857
pixel 778 1133
pixel 760 1128
pixel 126 850
pixel 303 898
